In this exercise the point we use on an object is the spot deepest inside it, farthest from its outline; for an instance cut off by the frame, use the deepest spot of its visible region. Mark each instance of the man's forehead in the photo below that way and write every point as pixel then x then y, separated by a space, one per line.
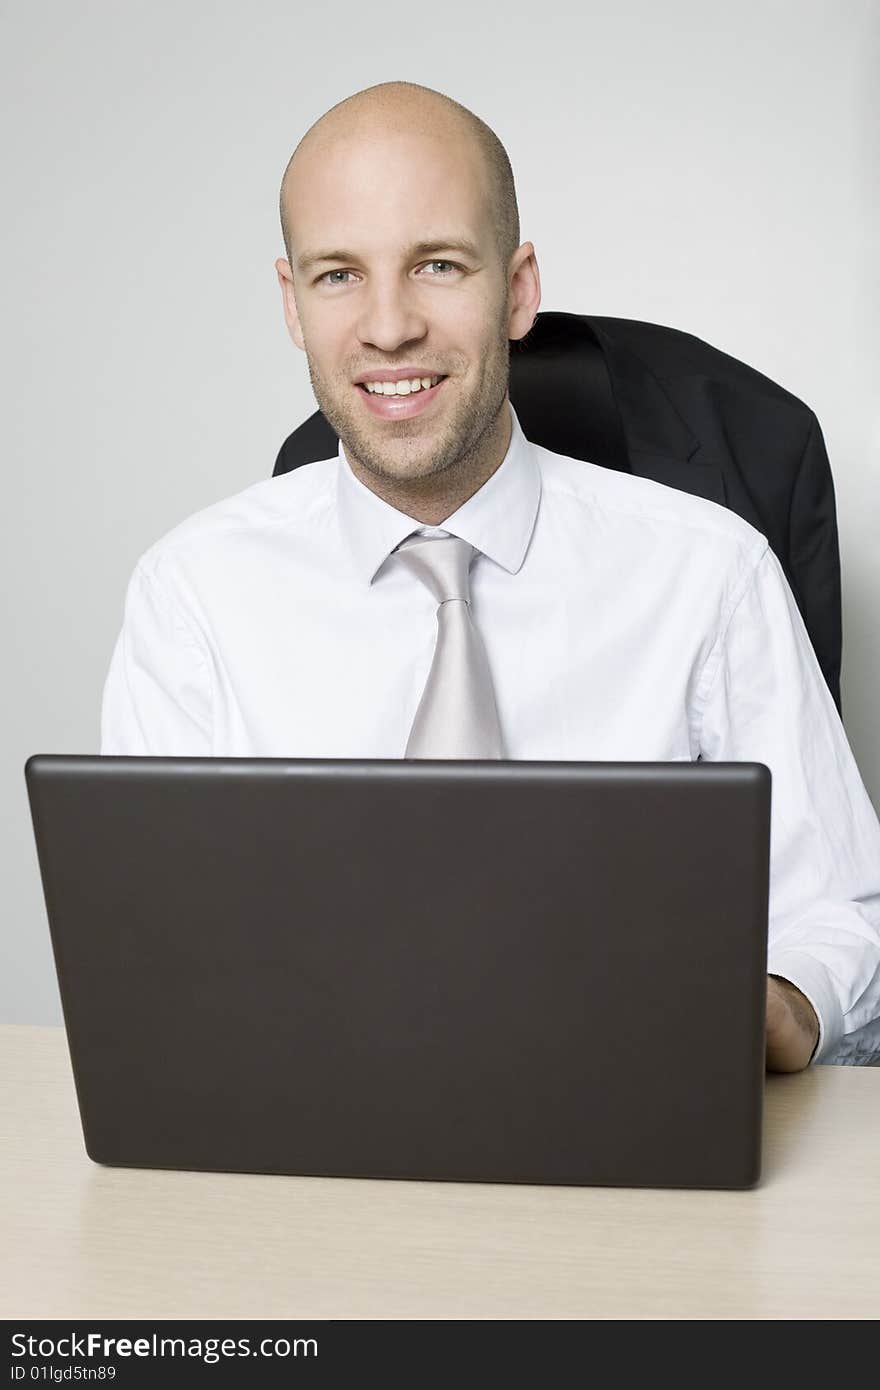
pixel 353 199
pixel 384 167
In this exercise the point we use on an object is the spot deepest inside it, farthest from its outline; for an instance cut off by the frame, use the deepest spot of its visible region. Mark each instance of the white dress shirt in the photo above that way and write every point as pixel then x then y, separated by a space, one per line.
pixel 624 620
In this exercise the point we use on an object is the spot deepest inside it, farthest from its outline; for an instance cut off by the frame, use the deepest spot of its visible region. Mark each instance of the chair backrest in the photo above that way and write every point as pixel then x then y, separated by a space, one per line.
pixel 661 403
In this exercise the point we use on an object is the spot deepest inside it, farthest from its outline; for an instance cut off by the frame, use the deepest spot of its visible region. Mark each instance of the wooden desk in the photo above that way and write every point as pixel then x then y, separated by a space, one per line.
pixel 81 1241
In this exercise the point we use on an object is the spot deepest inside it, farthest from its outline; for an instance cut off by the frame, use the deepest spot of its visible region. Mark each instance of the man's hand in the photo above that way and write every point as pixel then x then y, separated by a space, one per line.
pixel 792 1026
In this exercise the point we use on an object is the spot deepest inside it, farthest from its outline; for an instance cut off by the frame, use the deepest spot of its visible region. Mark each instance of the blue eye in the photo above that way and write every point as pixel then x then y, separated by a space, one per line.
pixel 441 275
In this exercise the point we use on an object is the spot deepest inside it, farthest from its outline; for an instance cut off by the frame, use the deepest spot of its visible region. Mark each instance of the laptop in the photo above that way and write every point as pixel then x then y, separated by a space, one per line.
pixel 473 971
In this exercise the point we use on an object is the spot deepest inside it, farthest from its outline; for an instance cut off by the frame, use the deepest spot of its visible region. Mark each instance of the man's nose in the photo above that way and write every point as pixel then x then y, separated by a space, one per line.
pixel 391 315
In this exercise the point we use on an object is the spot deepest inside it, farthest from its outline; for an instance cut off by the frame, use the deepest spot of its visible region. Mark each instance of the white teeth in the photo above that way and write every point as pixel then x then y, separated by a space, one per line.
pixel 400 388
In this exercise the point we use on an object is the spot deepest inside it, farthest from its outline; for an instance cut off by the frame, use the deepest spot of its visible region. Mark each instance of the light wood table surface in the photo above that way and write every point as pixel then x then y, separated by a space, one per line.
pixel 80 1240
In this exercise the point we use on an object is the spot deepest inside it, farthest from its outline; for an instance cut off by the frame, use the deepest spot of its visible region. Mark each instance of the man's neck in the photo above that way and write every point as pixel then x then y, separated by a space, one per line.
pixel 432 500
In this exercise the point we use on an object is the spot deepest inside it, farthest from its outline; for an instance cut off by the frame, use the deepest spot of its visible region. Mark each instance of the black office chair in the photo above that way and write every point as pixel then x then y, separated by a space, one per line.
pixel 661 403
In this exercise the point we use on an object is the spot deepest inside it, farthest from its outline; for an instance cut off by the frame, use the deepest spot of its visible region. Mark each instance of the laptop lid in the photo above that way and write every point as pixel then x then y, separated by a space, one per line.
pixel 545 972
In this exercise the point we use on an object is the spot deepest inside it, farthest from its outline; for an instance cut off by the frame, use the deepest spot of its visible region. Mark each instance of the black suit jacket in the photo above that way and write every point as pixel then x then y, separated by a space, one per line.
pixel 663 404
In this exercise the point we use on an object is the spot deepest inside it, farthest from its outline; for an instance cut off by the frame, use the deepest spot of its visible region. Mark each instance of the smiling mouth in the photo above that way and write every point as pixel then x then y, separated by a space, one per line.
pixel 402 395
pixel 400 407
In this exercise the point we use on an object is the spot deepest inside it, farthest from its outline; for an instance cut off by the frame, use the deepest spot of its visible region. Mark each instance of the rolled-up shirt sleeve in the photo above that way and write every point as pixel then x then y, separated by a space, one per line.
pixel 157 698
pixel 767 701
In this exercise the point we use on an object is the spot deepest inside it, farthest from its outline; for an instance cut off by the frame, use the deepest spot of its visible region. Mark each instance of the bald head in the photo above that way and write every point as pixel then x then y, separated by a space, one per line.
pixel 393 106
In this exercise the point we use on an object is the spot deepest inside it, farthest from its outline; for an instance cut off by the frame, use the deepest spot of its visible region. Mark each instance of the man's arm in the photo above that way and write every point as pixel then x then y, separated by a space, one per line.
pixel 764 699
pixel 157 697
pixel 814 555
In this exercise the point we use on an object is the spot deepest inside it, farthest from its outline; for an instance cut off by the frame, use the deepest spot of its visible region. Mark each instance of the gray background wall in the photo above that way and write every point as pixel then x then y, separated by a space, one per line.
pixel 712 167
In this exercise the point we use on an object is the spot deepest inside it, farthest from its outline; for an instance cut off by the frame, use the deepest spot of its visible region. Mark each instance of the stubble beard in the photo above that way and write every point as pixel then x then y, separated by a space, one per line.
pixel 416 453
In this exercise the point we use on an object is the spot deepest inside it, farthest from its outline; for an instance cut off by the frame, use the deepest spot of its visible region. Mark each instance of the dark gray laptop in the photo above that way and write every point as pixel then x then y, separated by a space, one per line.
pixel 539 972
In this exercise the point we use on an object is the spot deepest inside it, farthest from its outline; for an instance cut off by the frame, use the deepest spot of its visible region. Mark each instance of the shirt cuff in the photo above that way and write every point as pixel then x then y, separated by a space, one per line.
pixel 812 979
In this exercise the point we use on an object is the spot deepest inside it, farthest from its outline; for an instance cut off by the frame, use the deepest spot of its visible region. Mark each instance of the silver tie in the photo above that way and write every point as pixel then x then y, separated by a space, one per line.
pixel 457 716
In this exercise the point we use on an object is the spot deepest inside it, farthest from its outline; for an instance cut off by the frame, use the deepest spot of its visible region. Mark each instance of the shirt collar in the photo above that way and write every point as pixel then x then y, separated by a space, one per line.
pixel 498 519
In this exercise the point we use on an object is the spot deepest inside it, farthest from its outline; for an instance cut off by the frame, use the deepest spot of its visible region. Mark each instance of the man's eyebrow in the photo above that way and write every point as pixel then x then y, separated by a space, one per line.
pixel 463 245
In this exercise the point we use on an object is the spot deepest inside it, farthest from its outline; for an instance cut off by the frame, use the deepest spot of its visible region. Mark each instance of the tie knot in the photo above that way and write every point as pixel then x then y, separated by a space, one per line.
pixel 442 563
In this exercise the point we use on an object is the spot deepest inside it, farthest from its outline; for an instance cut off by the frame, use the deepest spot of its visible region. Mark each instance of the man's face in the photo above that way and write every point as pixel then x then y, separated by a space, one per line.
pixel 384 305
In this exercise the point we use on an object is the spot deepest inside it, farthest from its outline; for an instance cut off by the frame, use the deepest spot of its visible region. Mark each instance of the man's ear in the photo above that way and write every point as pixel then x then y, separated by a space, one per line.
pixel 525 291
pixel 288 301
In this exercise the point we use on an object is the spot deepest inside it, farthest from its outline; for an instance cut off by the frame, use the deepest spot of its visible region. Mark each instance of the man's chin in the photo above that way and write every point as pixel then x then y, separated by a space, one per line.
pixel 389 449
pixel 396 463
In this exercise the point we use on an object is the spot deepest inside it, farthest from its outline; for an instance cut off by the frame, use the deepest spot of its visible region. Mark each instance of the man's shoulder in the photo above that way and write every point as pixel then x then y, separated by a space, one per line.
pixel 628 502
pixel 295 499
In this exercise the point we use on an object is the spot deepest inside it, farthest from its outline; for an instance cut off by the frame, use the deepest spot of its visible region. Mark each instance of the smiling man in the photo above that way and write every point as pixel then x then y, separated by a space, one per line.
pixel 404 265
pixel 445 588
